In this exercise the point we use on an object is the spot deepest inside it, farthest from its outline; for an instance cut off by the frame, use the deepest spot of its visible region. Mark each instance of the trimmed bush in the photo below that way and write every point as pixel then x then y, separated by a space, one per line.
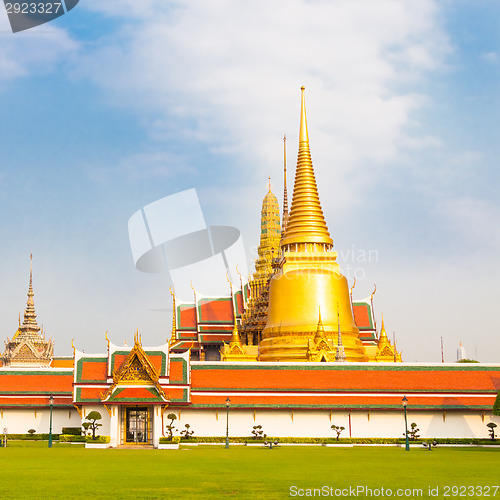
pixel 175 440
pixel 333 440
pixel 74 431
pixel 32 437
pixel 71 438
pixel 98 439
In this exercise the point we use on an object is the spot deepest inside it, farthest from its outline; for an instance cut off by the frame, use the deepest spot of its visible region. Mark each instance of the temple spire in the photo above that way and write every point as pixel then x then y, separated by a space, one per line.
pixel 306 223
pixel 383 333
pixel 29 322
pixel 285 193
pixel 320 330
pixel 340 354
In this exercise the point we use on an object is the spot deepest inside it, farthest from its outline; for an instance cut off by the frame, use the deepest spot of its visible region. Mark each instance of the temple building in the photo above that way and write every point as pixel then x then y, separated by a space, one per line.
pixel 297 305
pixel 28 346
pixel 291 350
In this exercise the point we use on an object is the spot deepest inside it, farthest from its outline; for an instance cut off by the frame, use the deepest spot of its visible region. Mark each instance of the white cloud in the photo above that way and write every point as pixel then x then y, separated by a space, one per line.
pixel 228 73
pixel 36 50
pixel 491 57
pixel 146 165
pixel 475 222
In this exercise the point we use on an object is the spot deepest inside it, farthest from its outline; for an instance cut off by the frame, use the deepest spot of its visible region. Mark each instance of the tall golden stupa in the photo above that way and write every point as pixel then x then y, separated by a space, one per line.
pixel 297 305
pixel 309 304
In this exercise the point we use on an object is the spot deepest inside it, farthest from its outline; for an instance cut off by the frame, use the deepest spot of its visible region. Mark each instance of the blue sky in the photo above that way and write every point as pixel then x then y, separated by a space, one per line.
pixel 120 103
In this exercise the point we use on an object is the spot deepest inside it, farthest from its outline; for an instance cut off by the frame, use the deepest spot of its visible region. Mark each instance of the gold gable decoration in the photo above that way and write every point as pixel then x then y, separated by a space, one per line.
pixel 319 349
pixel 386 352
pixel 137 369
pixel 135 373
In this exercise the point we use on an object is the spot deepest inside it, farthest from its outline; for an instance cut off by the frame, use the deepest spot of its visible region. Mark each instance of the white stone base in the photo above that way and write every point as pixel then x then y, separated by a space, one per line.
pixel 100 446
pixel 168 446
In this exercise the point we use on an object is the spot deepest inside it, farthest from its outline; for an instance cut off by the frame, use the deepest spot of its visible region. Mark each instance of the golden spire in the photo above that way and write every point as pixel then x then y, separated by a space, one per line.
pixel 307 222
pixel 29 322
pixel 173 336
pixel 270 235
pixel 286 216
pixel 383 334
pixel 320 331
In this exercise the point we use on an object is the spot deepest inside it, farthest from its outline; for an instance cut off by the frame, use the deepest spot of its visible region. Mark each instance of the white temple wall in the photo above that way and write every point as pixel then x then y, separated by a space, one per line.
pixel 317 423
pixel 20 420
pixel 275 423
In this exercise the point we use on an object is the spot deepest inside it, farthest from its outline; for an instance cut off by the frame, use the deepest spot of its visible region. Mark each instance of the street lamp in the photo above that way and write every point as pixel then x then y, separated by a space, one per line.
pixel 51 402
pixel 405 402
pixel 228 402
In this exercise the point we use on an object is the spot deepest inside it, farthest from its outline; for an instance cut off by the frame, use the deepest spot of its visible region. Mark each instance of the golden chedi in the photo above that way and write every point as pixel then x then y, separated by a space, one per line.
pixel 308 278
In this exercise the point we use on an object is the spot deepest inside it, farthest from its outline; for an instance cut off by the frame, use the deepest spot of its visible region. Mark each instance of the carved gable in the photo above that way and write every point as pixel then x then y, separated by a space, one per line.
pixel 135 372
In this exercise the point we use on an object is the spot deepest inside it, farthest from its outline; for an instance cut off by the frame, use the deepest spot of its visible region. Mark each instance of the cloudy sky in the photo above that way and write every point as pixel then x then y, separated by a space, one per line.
pixel 120 103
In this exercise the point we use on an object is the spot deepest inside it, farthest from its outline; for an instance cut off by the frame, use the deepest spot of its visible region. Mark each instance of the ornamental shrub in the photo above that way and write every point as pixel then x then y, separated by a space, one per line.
pixel 258 433
pixel 170 427
pixel 338 429
pixel 71 438
pixel 98 439
pixel 491 426
pixel 92 418
pixel 74 431
pixel 413 433
pixel 187 433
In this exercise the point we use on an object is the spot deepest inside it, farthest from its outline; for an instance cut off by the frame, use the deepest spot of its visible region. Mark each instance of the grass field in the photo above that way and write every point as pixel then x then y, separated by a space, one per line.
pixel 31 470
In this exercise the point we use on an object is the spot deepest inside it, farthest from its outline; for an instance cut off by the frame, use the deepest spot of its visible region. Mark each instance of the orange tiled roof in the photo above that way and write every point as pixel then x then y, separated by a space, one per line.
pixel 216 310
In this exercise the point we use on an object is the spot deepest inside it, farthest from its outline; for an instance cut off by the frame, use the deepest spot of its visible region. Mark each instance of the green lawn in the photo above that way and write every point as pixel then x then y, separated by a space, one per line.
pixel 31 470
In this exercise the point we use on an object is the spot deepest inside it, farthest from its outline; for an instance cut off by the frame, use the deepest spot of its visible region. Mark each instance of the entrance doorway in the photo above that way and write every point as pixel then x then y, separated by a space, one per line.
pixel 136 425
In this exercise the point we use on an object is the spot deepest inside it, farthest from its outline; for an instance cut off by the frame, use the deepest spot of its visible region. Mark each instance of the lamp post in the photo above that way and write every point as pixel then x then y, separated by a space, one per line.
pixel 51 402
pixel 405 402
pixel 228 402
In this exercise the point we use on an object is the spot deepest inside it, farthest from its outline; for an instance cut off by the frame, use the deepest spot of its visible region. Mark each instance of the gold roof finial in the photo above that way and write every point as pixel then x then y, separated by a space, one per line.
pixel 173 336
pixel 383 333
pixel 306 223
pixel 352 287
pixel 320 330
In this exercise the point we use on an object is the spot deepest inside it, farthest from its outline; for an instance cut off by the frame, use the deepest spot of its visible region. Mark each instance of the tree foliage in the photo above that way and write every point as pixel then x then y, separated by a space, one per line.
pixel 170 427
pixel 258 433
pixel 338 429
pixel 92 423
pixel 496 405
pixel 187 433
pixel 413 432
pixel 491 427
